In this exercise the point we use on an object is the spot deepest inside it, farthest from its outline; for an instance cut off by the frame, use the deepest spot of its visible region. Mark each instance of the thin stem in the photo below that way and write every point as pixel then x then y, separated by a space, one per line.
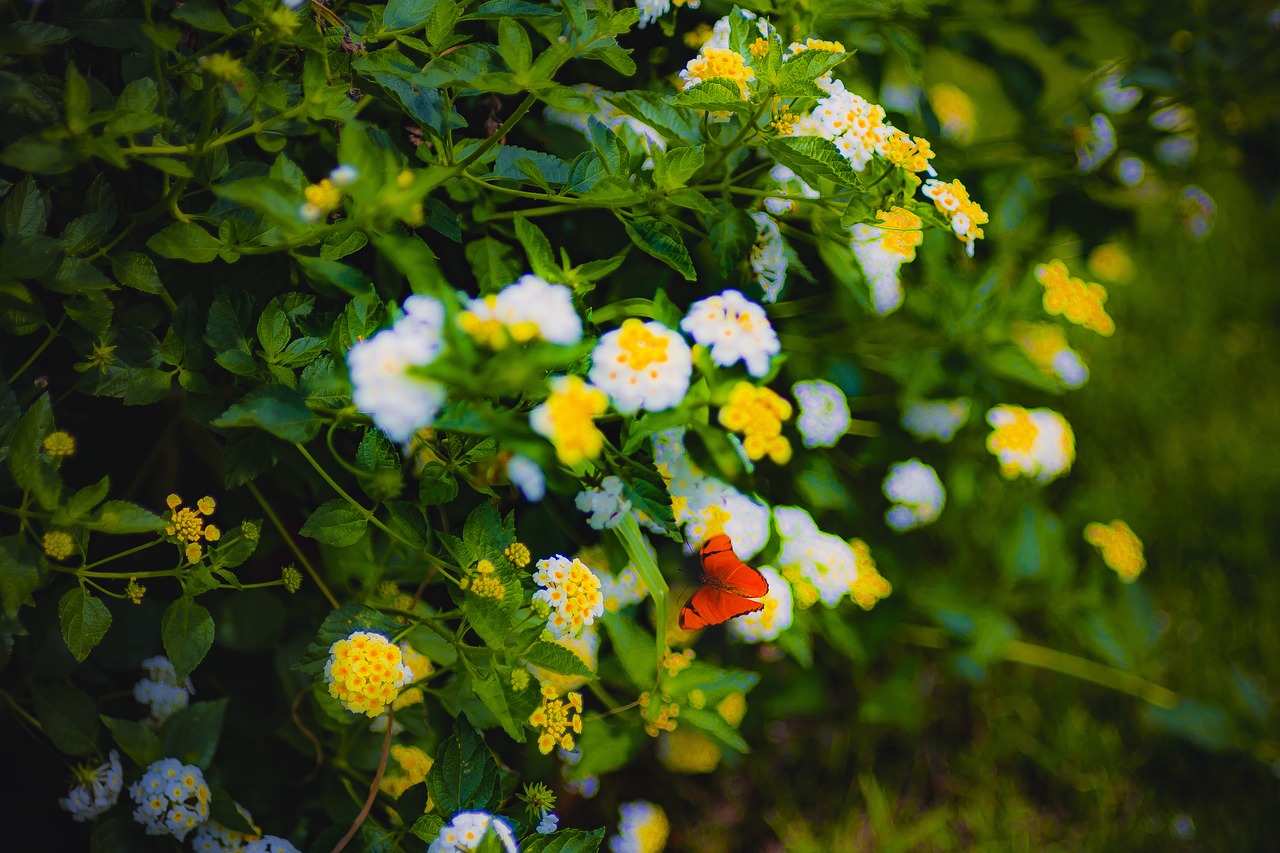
pixel 293 546
pixel 135 549
pixel 1060 662
pixel 500 133
pixel 22 712
pixel 53 333
pixel 373 787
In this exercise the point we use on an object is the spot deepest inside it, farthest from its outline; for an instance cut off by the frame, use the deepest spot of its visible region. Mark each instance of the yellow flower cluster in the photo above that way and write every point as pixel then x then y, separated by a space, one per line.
pixel 688 751
pixel 1111 262
pixel 325 196
pixel 965 215
pixel 902 232
pixel 665 718
pixel 817 44
pixel 491 331
pixel 1120 547
pixel 365 672
pixel 59 444
pixel 1077 300
pixel 571 591
pixel 719 63
pixel 135 591
pixel 414 765
pixel 223 66
pixel 186 525
pixel 518 554
pixel 559 719
pixel 568 416
pixel 758 414
pixel 911 153
pixel 733 708
pixel 420 666
pixel 869 587
pixel 485 583
pixel 676 662
pixel 59 544
pixel 955 110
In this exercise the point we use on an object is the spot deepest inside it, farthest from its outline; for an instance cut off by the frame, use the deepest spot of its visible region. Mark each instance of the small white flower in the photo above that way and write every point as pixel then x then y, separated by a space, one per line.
pixel 1035 443
pixel 213 837
pixel 1097 145
pixel 548 824
pixel 651 10
pixel 916 492
pixel 528 309
pixel 400 404
pixel 735 329
pixel 1115 98
pixel 344 175
pixel 309 212
pixel 643 828
pixel 605 506
pixel 98 793
pixel 824 412
pixel 464 833
pixel 768 256
pixel 823 559
pixel 881 252
pixel 792 188
pixel 765 625
pixel 573 593
pixel 160 690
pixel 269 844
pixel 527 476
pixel 936 419
pixel 642 365
pixel 171 797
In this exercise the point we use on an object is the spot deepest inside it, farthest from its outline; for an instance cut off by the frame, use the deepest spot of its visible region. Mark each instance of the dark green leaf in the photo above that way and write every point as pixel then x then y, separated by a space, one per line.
pixel 185 241
pixel 662 240
pixel 278 409
pixel 556 658
pixel 68 716
pixel 336 523
pixel 192 733
pixel 84 621
pixel 32 468
pixel 187 632
pixel 813 159
pixel 136 270
pixel 136 740
pixel 464 775
pixel 565 841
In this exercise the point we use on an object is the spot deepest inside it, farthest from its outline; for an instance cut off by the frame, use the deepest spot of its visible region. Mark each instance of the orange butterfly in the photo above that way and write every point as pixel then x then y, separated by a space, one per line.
pixel 728 587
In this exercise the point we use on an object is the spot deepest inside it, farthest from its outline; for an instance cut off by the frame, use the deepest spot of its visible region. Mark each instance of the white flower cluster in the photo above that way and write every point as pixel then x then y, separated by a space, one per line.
pixel 791 186
pixel 652 10
pixel 642 365
pixel 213 837
pixel 824 559
pixel 958 207
pixel 623 589
pixel 916 492
pixel 765 625
pixel 464 833
pixel 400 404
pixel 643 829
pixel 172 798
pixel 1094 146
pixel 527 476
pixel 270 844
pixel 701 502
pixel 605 113
pixel 881 251
pixel 936 419
pixel 606 506
pixel 850 121
pixel 160 690
pixel 769 255
pixel 572 591
pixel 1035 443
pixel 824 412
pixel 99 791
pixel 530 308
pixel 735 329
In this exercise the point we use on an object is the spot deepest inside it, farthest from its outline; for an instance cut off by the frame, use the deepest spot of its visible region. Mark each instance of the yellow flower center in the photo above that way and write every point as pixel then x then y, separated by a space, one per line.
pixel 724 64
pixel 573 408
pixel 641 347
pixel 1019 435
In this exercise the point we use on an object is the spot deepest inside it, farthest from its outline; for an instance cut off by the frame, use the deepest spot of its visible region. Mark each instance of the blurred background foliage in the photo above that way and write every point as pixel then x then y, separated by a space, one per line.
pixel 942 720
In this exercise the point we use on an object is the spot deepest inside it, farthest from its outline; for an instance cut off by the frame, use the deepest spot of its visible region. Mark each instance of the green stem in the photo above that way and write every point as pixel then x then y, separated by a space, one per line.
pixel 1060 662
pixel 497 136
pixel 135 549
pixel 53 333
pixel 22 712
pixel 293 546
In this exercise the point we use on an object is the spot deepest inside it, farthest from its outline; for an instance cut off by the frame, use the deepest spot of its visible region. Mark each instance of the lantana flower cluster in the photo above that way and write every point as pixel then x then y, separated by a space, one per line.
pixel 465 832
pixel 188 528
pixel 97 789
pixel 529 309
pixel 365 672
pixel 557 720
pixel 571 591
pixel 161 691
pixel 1079 301
pixel 1035 443
pixel 171 797
pixel 1120 547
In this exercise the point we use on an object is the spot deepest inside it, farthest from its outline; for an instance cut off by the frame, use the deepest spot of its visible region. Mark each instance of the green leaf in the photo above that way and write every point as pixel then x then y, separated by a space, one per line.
pixel 557 658
pixel 26 211
pixel 714 725
pixel 83 501
pixel 634 648
pixel 497 9
pixel 202 15
pixel 84 621
pixel 187 632
pixel 336 523
pixel 437 485
pixel 444 16
pixel 464 775
pixel 19 576
pixel 68 716
pixel 731 235
pixel 492 262
pixel 32 468
pixel 677 166
pixel 137 270
pixel 271 197
pixel 185 241
pixel 495 691
pixel 278 409
pixel 347 279
pixel 565 841
pixel 192 733
pixel 662 240
pixel 715 95
pixel 339 624
pixel 428 827
pixel 813 159
pixel 798 73
pixel 406 14
pixel 273 329
pixel 648 494
pixel 124 517
pixel 537 247
pixel 136 740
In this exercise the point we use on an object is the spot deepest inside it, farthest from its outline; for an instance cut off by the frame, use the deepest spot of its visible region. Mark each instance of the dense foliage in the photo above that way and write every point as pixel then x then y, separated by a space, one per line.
pixel 372 375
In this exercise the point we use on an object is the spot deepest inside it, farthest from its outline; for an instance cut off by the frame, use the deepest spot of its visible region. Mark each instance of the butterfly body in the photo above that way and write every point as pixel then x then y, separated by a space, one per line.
pixel 728 587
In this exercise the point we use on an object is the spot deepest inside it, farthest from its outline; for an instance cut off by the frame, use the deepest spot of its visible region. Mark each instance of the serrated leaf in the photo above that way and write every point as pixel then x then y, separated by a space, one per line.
pixel 464 775
pixel 123 517
pixel 185 241
pixel 715 95
pixel 565 841
pixel 557 658
pixel 538 249
pixel 187 632
pixel 795 80
pixel 662 240
pixel 498 696
pixel 278 409
pixel 192 733
pixel 31 467
pixel 813 159
pixel 136 270
pixel 335 523
pixel 84 620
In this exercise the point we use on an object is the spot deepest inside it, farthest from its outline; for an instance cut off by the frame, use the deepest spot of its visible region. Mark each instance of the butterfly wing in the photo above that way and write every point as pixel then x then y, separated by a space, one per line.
pixel 722 569
pixel 711 606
